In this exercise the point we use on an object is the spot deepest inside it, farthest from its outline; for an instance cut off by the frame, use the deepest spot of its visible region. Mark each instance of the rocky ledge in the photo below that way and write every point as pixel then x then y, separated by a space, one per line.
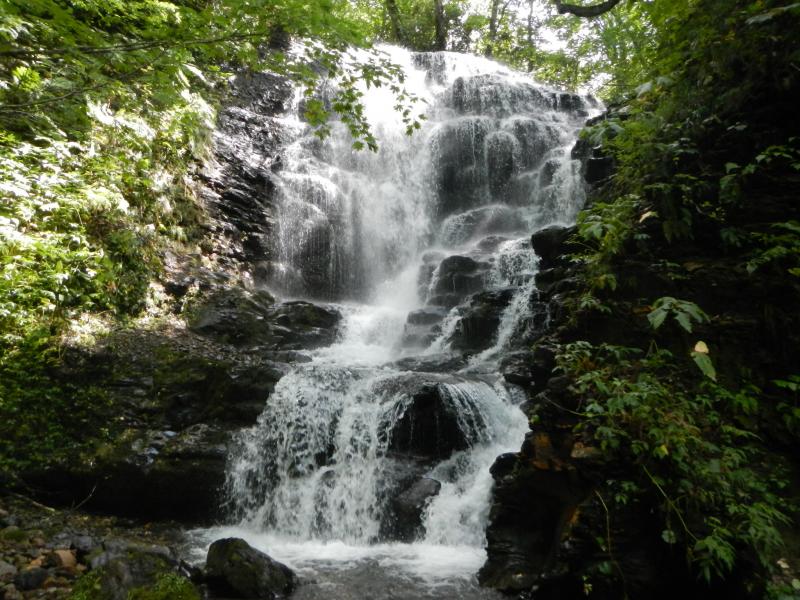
pixel 174 396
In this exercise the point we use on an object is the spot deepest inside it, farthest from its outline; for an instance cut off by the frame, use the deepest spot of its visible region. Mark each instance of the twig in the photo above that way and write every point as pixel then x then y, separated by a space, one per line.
pixel 671 504
pixel 608 540
pixel 85 500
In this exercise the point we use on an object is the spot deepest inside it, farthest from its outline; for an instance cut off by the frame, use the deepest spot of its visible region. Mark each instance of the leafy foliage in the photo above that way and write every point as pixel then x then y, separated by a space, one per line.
pixel 45 419
pixel 105 109
pixel 717 494
pixel 87 587
pixel 705 154
pixel 685 313
pixel 168 587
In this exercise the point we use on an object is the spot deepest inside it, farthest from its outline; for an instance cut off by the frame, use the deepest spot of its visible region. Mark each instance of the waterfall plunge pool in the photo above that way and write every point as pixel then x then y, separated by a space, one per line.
pixel 336 570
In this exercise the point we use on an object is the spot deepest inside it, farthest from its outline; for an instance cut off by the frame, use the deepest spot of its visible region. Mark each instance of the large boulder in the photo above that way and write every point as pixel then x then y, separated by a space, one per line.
pixel 462 227
pixel 477 328
pixel 237 570
pixel 406 510
pixel 234 316
pixel 151 474
pixel 248 319
pixel 432 426
pixel 174 401
pixel 598 169
pixel 422 326
pixel 303 325
pixel 456 278
pixel 551 243
pixel 432 363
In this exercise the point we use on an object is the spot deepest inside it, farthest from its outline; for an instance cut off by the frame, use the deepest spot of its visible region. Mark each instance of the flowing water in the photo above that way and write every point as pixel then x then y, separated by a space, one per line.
pixel 400 240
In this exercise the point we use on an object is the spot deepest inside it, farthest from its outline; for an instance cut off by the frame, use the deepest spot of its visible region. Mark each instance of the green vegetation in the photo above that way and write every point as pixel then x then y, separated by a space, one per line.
pixel 168 586
pixel 105 109
pixel 716 489
pixel 706 158
pixel 87 587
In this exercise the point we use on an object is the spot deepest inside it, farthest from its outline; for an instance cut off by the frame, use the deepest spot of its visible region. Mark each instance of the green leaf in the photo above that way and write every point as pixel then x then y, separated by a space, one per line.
pixel 657 318
pixel 684 320
pixel 703 361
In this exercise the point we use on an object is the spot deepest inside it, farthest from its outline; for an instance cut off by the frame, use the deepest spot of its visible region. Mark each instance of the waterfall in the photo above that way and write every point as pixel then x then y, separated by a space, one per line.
pixel 361 455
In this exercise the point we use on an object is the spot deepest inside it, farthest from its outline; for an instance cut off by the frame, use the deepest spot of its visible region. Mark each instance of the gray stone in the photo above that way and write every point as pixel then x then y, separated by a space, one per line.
pixel 30 579
pixel 123 566
pixel 409 506
pixel 7 572
pixel 550 243
pixel 236 569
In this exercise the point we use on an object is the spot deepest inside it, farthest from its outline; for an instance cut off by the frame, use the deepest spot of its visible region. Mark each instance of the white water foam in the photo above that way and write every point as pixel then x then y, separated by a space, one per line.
pixel 308 484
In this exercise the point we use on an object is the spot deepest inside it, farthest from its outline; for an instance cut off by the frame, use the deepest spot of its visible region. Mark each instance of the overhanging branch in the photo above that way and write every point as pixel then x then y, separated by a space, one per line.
pixel 594 10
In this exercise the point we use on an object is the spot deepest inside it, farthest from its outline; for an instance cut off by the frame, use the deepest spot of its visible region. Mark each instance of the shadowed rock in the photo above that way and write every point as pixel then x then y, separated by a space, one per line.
pixel 407 509
pixel 238 570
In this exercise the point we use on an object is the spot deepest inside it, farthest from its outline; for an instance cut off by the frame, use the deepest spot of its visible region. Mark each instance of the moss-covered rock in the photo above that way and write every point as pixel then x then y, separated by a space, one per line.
pixel 128 571
pixel 236 569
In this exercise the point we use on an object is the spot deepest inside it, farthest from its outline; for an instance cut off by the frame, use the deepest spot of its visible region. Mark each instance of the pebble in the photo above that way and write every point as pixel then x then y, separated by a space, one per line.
pixel 61 558
pixel 7 572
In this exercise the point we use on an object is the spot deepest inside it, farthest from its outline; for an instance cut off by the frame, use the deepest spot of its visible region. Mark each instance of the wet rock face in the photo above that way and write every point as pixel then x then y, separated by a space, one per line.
pixel 455 279
pixel 178 397
pixel 239 187
pixel 551 243
pixel 461 177
pixel 422 326
pixel 237 570
pixel 477 328
pixel 432 363
pixel 406 510
pixel 530 510
pixel 475 223
pixel 429 428
pixel 491 94
pixel 305 325
pixel 235 316
pixel 529 368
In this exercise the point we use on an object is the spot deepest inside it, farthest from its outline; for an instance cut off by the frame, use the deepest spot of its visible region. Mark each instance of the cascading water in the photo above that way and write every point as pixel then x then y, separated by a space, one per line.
pixel 363 462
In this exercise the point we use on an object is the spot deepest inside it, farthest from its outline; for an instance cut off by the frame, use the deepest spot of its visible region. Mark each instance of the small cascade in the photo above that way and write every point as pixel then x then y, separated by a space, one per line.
pixel 380 447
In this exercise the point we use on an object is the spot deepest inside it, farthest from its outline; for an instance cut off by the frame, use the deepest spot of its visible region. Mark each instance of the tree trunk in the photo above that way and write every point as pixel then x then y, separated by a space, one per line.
pixel 441 25
pixel 492 28
pixel 394 19
pixel 530 34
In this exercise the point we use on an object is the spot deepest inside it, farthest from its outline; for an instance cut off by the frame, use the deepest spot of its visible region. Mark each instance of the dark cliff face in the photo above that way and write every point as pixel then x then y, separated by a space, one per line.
pixel 238 184
pixel 547 513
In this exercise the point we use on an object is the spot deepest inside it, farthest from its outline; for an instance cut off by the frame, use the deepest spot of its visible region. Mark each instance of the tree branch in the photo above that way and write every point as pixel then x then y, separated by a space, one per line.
pixel 128 47
pixel 595 10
